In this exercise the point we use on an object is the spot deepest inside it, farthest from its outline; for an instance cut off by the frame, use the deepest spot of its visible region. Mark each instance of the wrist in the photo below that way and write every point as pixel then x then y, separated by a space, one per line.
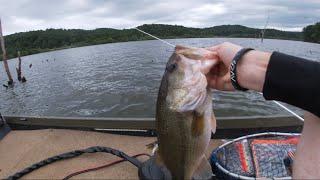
pixel 251 70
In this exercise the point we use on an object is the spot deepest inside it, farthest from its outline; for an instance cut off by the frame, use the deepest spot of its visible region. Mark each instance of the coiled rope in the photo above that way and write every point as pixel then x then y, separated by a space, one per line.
pixel 73 154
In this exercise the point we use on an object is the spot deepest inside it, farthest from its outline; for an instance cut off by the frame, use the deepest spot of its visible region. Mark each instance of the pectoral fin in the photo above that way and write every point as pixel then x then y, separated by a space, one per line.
pixel 198 124
pixel 213 123
pixel 204 170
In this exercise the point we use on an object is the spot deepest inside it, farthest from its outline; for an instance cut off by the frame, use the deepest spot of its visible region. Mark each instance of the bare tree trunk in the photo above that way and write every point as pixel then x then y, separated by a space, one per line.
pixel 19 67
pixel 4 56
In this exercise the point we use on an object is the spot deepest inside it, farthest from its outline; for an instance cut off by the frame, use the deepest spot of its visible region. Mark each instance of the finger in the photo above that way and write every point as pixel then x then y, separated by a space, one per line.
pixel 223 69
pixel 223 86
pixel 212 82
pixel 228 87
pixel 227 82
pixel 180 47
pixel 224 83
pixel 213 48
pixel 212 55
pixel 219 69
pixel 215 70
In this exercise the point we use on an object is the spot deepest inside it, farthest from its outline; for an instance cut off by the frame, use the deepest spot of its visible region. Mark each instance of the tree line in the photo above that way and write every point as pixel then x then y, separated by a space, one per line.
pixel 33 42
pixel 311 33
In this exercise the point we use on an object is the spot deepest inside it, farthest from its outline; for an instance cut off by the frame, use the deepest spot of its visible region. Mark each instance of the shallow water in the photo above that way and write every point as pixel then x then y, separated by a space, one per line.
pixel 122 80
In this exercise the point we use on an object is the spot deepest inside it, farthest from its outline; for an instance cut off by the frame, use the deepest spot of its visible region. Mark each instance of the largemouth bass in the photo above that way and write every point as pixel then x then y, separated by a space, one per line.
pixel 184 115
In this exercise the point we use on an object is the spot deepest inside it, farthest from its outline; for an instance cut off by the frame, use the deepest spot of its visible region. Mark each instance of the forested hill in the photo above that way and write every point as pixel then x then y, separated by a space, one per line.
pixel 51 39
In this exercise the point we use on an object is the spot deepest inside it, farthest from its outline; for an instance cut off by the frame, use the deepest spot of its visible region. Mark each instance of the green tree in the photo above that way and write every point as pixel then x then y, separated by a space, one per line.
pixel 311 33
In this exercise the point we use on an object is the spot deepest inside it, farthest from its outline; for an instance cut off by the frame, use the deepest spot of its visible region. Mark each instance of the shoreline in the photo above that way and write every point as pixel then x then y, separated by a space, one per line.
pixel 149 39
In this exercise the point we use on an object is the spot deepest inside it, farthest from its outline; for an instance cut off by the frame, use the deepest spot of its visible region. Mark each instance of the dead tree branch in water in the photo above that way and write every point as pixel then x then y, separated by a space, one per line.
pixel 20 78
pixel 4 57
pixel 19 67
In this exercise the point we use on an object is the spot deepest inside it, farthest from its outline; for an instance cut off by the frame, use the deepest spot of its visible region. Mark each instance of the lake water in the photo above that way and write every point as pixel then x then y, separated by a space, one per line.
pixel 122 80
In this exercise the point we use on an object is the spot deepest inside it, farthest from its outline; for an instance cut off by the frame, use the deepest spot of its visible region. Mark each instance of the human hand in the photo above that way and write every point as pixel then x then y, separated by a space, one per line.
pixel 251 69
pixel 219 76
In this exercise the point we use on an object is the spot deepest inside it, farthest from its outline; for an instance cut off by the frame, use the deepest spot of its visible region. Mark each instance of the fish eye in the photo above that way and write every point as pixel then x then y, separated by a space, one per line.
pixel 172 67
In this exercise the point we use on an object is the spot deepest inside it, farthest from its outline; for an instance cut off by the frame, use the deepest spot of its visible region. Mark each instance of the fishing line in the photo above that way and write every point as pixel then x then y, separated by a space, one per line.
pixel 166 42
pixel 279 104
pixel 287 109
pixel 293 113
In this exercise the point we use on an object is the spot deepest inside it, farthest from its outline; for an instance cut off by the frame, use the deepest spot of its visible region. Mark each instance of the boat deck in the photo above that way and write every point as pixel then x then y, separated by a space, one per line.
pixel 22 148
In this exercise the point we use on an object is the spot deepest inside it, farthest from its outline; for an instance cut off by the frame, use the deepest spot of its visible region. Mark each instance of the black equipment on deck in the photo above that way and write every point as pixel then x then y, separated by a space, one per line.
pixel 4 127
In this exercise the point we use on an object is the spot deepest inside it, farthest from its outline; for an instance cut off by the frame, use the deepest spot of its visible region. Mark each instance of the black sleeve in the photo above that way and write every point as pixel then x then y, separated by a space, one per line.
pixel 293 80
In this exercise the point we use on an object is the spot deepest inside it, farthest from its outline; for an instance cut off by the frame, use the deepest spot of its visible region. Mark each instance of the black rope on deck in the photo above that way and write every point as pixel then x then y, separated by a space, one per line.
pixel 73 154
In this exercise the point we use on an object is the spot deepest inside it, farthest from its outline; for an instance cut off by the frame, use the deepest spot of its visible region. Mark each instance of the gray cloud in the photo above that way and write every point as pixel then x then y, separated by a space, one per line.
pixel 25 15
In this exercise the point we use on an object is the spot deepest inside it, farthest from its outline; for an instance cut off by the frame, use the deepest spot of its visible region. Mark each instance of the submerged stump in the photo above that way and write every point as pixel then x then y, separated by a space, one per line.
pixel 20 78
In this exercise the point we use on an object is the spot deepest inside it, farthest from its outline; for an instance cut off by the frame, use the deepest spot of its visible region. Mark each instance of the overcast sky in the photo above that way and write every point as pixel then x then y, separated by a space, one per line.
pixel 26 15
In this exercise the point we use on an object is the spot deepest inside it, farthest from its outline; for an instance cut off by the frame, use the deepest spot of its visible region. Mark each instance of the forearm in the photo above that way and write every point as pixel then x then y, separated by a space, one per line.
pixel 252 69
pixel 293 80
pixel 281 77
